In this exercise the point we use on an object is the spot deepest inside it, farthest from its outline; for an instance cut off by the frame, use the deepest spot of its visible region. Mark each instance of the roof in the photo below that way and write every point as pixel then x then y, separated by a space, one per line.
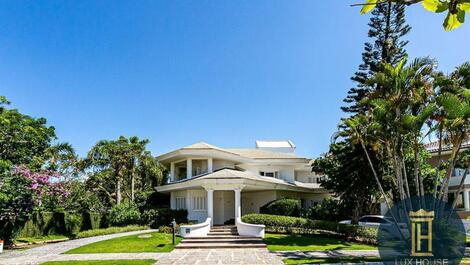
pixel 250 153
pixel 275 144
pixel 228 173
pixel 433 147
pixel 262 154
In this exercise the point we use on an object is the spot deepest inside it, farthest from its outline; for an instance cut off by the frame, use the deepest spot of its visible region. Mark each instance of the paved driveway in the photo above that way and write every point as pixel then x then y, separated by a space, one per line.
pixel 53 251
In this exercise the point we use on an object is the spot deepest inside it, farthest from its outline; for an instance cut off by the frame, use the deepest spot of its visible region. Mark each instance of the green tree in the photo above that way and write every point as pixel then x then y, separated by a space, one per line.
pixel 121 167
pixel 23 139
pixel 455 9
pixel 387 30
pixel 350 178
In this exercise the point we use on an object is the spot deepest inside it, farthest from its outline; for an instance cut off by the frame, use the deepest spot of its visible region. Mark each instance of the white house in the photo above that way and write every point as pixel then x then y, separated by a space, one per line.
pixel 219 185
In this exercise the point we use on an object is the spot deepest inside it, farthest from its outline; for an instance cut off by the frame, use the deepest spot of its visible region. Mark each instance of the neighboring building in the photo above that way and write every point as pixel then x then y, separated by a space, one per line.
pixel 463 198
pixel 225 183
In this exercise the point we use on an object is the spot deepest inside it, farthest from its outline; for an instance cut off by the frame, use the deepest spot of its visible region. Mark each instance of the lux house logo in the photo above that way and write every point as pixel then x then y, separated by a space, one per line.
pixel 421 230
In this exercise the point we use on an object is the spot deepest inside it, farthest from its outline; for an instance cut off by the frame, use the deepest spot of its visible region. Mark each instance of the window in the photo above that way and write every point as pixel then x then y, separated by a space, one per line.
pixel 180 203
pixel 199 203
pixel 272 174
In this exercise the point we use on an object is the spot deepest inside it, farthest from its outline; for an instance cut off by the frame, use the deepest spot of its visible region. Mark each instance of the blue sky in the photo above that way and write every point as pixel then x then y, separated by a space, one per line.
pixel 180 71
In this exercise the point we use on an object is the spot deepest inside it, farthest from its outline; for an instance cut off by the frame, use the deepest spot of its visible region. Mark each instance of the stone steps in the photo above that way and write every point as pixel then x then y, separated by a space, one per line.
pixel 220 245
pixel 221 237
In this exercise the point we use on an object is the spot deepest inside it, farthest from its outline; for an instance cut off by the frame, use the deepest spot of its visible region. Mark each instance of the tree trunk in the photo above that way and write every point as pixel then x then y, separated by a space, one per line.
pixel 381 188
pixel 438 166
pixel 132 185
pixel 462 182
pixel 450 168
pixel 416 169
pixel 118 191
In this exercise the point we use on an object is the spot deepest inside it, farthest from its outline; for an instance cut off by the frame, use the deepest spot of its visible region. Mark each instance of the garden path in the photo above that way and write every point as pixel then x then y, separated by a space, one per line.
pixel 51 252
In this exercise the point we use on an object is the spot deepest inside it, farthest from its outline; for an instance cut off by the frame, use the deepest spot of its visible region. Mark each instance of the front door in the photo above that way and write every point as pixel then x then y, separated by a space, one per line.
pixel 224 206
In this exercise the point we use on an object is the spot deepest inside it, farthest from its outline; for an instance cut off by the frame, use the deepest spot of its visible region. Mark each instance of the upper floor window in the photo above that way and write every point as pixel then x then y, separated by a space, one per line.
pixel 272 174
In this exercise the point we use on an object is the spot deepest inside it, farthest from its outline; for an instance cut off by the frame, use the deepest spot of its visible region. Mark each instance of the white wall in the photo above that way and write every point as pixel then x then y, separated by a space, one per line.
pixel 286 173
pixel 306 176
pixel 252 201
pixel 218 164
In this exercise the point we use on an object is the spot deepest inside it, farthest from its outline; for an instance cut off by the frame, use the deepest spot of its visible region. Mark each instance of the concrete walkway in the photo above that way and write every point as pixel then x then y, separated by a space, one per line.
pixel 51 252
pixel 221 256
pixel 327 254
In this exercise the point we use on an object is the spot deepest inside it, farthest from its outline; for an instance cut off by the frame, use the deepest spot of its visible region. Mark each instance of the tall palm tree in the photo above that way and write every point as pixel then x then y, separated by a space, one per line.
pixel 401 106
pixel 454 102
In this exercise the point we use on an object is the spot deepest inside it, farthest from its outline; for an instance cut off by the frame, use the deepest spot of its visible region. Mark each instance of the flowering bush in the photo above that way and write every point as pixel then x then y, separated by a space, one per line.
pixel 21 192
pixel 48 191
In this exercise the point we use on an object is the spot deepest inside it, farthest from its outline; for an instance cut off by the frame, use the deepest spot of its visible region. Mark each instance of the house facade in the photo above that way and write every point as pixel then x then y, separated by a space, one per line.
pixel 218 185
pixel 463 199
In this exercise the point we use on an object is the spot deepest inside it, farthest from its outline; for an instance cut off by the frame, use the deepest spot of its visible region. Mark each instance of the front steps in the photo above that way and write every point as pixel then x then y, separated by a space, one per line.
pixel 222 237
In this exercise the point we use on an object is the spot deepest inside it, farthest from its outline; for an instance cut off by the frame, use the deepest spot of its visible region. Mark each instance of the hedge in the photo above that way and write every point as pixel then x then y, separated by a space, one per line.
pixel 59 223
pixel 287 224
pixel 164 216
pixel 287 207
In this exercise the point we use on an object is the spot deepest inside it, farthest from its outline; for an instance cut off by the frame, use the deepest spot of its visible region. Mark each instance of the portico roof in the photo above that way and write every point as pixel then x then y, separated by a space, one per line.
pixel 227 179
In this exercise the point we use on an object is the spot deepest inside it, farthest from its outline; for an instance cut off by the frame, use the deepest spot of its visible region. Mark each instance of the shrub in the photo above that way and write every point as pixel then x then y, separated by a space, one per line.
pixel 166 216
pixel 124 214
pixel 168 229
pixel 110 230
pixel 288 207
pixel 150 217
pixel 163 217
pixel 329 209
pixel 90 221
pixel 287 224
pixel 72 223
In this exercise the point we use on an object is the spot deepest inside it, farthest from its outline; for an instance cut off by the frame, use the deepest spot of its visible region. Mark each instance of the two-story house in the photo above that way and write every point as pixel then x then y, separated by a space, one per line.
pixel 224 183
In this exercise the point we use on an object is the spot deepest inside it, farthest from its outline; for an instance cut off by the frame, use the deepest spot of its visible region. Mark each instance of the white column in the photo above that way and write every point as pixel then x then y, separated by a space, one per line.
pixel 172 171
pixel 210 205
pixel 238 210
pixel 189 168
pixel 209 165
pixel 466 201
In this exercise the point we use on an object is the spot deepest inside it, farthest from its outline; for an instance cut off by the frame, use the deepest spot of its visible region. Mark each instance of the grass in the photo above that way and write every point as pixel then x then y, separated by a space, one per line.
pixel 158 242
pixel 102 262
pixel 332 260
pixel 283 242
pixel 110 230
pixel 40 239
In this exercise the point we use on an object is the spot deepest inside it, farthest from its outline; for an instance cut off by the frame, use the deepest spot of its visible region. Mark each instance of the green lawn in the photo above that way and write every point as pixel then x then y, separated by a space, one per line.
pixel 158 242
pixel 282 242
pixel 331 260
pixel 40 238
pixel 103 262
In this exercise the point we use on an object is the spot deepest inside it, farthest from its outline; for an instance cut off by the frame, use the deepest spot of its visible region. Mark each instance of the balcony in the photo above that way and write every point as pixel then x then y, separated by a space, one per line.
pixel 189 168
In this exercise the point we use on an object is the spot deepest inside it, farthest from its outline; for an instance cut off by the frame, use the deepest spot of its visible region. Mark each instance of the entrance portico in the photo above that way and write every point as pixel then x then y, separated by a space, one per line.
pixel 223 205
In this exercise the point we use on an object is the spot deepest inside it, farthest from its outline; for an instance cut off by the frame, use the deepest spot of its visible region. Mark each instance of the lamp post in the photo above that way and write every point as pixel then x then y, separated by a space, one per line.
pixel 173 225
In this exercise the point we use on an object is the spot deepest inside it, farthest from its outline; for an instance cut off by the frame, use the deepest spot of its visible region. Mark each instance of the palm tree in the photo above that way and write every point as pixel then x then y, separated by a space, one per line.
pixel 400 106
pixel 454 102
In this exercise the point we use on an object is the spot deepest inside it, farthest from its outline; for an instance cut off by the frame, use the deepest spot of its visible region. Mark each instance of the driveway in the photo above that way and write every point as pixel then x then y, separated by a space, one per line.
pixel 53 251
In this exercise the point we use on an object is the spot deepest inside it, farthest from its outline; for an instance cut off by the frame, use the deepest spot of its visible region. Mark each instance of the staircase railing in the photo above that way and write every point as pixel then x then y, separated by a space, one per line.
pixel 245 229
pixel 196 230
